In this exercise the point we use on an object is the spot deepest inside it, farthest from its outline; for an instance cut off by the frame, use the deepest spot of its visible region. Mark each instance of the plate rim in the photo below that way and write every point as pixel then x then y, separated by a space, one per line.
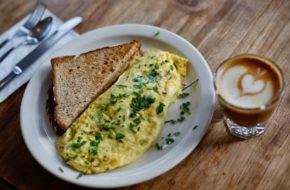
pixel 177 39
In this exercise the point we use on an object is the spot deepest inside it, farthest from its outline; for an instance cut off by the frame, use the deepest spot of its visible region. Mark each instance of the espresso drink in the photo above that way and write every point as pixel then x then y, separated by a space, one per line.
pixel 248 87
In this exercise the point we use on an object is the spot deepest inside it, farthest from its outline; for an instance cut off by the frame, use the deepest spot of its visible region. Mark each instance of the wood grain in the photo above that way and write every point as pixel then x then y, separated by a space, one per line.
pixel 219 29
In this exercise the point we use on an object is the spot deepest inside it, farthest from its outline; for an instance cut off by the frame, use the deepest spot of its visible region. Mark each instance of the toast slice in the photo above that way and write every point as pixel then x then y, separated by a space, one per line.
pixel 78 80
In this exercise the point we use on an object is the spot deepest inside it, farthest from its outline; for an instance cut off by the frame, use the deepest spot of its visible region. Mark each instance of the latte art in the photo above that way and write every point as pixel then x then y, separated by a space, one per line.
pixel 250 86
pixel 248 83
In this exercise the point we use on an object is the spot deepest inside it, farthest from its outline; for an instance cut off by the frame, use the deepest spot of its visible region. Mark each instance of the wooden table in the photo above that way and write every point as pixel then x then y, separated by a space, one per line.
pixel 219 29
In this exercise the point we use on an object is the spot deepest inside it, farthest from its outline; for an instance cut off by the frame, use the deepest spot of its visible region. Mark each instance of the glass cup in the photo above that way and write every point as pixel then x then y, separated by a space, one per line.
pixel 235 82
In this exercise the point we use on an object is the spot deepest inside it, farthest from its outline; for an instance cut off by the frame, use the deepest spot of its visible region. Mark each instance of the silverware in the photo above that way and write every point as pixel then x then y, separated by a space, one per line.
pixel 28 25
pixel 43 47
pixel 38 33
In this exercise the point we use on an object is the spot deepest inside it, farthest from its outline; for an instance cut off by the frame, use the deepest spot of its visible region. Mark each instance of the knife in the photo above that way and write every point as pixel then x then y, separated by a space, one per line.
pixel 42 48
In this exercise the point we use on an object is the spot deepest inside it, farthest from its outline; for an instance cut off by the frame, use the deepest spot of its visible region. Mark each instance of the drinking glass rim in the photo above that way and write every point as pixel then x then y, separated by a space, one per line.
pixel 264 106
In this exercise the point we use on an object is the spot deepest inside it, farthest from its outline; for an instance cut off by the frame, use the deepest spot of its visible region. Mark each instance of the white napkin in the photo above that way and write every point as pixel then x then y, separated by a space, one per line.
pixel 9 62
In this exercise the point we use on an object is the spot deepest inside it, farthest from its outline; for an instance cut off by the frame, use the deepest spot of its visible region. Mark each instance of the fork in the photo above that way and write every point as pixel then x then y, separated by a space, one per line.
pixel 28 25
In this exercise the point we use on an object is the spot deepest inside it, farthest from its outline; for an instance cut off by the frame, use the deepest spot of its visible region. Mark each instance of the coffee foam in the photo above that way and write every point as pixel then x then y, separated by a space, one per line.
pixel 247 83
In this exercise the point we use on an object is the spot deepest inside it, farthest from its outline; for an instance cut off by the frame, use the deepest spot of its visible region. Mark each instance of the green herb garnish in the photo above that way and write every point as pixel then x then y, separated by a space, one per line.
pixel 157 33
pixel 158 146
pixel 155 89
pixel 195 127
pixel 119 136
pixel 185 107
pixel 107 127
pixel 115 98
pixel 60 169
pixel 77 145
pixel 93 150
pixel 169 140
pixel 140 102
pixel 180 119
pixel 138 86
pixel 174 64
pixel 183 95
pixel 121 85
pixel 99 136
pixel 153 76
pixel 79 176
pixel 119 109
pixel 66 160
pixel 110 135
pixel 177 133
pixel 139 79
pixel 160 108
pixel 170 121
pixel 134 126
pixel 95 143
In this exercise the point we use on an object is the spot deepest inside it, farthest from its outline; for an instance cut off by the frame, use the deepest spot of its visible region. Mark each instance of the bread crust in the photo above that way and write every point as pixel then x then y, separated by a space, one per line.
pixel 78 80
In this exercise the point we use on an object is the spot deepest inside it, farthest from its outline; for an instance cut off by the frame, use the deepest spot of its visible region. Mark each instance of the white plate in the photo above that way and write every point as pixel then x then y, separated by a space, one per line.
pixel 40 139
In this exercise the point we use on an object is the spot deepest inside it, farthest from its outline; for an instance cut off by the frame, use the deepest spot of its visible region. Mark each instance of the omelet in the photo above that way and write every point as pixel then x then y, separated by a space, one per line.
pixel 120 125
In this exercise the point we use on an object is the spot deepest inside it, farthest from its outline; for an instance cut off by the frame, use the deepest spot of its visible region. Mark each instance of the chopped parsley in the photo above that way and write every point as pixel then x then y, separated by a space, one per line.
pixel 66 160
pixel 177 133
pixel 60 169
pixel 155 89
pixel 137 121
pixel 153 76
pixel 115 98
pixel 139 86
pixel 170 121
pixel 139 79
pixel 185 108
pixel 121 85
pixel 175 65
pixel 157 33
pixel 160 108
pixel 180 119
pixel 107 127
pixel 99 136
pixel 140 102
pixel 110 135
pixel 169 140
pixel 95 143
pixel 77 145
pixel 156 66
pixel 93 150
pixel 134 127
pixel 183 95
pixel 158 146
pixel 119 136
pixel 79 176
pixel 119 109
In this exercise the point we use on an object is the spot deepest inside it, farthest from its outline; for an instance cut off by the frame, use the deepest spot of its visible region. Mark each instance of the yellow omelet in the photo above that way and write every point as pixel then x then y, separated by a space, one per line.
pixel 125 121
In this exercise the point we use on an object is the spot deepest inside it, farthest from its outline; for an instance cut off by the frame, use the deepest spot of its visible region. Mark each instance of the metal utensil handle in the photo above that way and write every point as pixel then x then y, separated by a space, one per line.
pixel 6 54
pixel 4 42
pixel 16 71
pixel 7 79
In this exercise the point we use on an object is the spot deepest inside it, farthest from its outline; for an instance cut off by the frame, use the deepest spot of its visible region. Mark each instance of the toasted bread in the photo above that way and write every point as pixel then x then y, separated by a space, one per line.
pixel 78 80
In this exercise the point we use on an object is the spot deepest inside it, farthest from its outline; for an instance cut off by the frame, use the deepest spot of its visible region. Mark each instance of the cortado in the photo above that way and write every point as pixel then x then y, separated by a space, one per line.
pixel 248 87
